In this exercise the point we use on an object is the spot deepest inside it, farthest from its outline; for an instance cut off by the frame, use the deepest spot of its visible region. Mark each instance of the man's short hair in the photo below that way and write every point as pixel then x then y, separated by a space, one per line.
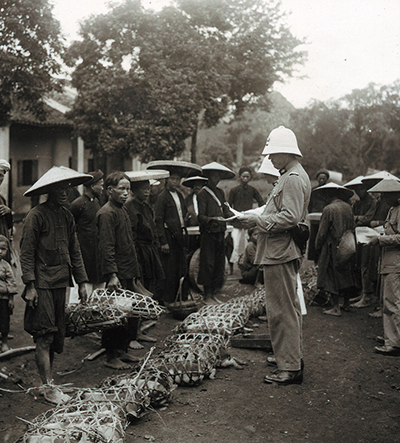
pixel 114 178
pixel 245 169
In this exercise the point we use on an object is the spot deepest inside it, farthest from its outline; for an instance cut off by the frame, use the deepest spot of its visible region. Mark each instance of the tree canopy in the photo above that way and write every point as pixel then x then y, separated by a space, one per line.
pixel 359 131
pixel 148 80
pixel 29 46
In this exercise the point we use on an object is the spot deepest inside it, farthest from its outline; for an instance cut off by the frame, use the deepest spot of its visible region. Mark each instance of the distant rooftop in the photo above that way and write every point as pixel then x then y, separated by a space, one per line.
pixel 56 106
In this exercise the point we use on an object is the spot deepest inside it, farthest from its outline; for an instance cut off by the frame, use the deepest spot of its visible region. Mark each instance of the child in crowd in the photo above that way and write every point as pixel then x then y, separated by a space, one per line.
pixel 247 267
pixel 242 198
pixel 8 287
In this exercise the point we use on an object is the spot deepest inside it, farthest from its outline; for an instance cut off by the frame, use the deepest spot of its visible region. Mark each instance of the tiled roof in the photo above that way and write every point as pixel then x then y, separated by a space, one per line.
pixel 55 106
pixel 53 117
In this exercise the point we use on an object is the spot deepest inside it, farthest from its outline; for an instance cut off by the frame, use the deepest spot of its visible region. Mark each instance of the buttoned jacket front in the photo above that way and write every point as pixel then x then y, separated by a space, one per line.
pixel 285 208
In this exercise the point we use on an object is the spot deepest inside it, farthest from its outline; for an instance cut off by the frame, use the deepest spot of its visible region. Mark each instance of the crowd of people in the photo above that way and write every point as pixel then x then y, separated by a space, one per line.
pixel 142 238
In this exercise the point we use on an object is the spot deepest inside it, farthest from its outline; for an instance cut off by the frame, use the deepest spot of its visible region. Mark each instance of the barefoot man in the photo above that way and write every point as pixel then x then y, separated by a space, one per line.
pixel 50 255
pixel 118 265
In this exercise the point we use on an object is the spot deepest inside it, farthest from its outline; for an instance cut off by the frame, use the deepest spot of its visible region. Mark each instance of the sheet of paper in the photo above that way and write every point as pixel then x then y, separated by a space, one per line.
pixel 256 211
pixel 364 234
pixel 300 294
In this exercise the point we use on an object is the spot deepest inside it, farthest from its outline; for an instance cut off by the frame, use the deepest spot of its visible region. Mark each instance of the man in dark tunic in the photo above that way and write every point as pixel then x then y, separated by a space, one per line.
pixel 84 210
pixel 316 205
pixel 364 209
pixel 212 213
pixel 118 264
pixel 378 219
pixel 170 218
pixel 50 255
pixel 144 229
pixel 195 184
pixel 337 218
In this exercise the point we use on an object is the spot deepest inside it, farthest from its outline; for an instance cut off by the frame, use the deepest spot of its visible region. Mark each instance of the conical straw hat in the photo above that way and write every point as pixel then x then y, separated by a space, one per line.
pixel 355 182
pixel 373 179
pixel 147 175
pixel 191 181
pixel 181 168
pixel 225 172
pixel 386 185
pixel 55 176
pixel 341 192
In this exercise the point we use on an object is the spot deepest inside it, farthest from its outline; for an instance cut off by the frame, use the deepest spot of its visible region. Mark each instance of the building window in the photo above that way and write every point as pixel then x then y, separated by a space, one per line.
pixel 27 172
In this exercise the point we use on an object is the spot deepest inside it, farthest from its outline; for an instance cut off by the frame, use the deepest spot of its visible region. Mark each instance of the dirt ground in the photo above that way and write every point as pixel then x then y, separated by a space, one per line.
pixel 349 394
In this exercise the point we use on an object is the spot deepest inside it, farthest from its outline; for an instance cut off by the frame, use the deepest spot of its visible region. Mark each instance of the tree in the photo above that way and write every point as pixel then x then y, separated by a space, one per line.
pixel 29 46
pixel 256 46
pixel 188 68
pixel 359 131
pixel 151 106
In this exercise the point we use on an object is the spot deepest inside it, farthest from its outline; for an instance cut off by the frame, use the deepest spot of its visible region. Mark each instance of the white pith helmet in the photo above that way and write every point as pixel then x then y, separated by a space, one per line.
pixel 268 168
pixel 282 141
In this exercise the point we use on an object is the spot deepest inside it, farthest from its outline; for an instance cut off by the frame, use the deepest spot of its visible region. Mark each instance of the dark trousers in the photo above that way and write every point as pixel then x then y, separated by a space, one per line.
pixel 212 260
pixel 118 338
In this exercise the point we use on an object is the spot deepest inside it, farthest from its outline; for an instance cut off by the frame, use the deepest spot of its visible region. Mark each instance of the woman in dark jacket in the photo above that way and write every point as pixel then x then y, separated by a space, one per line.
pixel 337 218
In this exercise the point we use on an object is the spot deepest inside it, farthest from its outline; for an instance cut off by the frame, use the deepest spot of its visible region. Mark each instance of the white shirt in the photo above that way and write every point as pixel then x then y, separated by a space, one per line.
pixel 175 196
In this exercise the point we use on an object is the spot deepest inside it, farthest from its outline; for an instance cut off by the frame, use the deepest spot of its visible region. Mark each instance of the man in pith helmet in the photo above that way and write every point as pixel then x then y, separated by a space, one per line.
pixel 280 256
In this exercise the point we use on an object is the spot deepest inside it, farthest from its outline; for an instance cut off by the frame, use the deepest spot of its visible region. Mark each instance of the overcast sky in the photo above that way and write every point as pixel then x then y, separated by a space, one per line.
pixel 350 43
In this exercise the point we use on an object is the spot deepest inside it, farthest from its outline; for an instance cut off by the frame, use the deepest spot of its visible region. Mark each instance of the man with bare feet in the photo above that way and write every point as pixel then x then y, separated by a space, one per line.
pixel 50 255
pixel 118 265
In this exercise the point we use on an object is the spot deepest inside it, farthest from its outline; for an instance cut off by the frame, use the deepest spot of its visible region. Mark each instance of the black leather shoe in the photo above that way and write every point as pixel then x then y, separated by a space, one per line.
pixel 387 350
pixel 285 378
pixel 271 361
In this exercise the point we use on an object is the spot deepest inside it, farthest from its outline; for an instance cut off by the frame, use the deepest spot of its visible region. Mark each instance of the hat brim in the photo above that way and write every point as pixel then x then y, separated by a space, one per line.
pixel 225 173
pixel 386 186
pixel 191 181
pixel 342 192
pixel 181 168
pixel 46 188
pixel 147 175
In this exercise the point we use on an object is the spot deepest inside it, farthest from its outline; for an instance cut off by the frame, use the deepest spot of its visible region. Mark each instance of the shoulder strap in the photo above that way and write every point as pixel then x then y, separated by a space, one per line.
pixel 212 193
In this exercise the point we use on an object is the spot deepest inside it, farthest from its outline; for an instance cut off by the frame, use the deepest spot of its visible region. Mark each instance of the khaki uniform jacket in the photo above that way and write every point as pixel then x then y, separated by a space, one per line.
pixel 286 207
pixel 390 243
